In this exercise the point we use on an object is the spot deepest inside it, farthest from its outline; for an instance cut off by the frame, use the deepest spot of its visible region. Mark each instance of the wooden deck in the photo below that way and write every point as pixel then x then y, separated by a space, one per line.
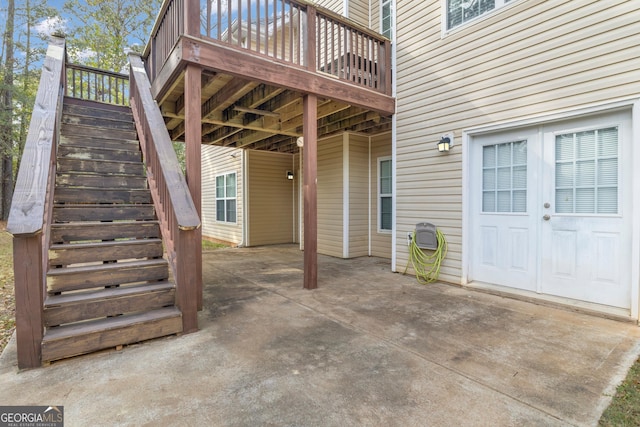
pixel 259 61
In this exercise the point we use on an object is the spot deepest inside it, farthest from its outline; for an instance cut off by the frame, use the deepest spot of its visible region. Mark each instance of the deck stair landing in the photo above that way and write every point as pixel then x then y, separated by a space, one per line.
pixel 108 283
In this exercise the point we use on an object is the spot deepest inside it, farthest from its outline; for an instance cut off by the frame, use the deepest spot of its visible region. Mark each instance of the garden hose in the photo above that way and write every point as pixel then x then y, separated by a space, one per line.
pixel 427 267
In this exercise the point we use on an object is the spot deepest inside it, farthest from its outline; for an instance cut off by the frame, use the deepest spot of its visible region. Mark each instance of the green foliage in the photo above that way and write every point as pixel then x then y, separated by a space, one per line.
pixel 625 407
pixel 108 29
pixel 179 148
pixel 212 246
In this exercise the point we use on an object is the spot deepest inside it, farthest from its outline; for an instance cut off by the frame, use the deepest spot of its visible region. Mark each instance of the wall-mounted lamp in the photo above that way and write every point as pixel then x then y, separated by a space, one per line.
pixel 445 143
pixel 289 175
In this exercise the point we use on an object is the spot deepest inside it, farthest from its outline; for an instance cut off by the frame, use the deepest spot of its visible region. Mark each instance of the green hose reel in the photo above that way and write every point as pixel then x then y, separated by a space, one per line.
pixel 427 249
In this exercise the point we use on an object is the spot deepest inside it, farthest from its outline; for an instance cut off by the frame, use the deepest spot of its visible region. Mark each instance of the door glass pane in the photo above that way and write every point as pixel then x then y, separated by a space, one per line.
pixel 489 201
pixel 564 174
pixel 585 200
pixel 586 144
pixel 504 155
pixel 608 200
pixel 489 179
pixel 489 156
pixel 587 172
pixel 519 201
pixel 564 147
pixel 564 201
pixel 608 172
pixel 504 201
pixel 504 177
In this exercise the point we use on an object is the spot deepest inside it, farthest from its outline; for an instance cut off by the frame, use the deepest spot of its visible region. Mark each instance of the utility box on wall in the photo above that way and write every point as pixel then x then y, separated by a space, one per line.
pixel 426 236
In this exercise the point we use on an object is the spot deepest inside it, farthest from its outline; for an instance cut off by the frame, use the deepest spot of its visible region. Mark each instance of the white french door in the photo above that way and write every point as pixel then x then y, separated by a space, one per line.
pixel 566 231
pixel 504 228
pixel 586 228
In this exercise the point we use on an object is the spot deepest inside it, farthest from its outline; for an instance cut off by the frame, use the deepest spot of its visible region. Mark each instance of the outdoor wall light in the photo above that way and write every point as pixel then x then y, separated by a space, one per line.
pixel 289 175
pixel 445 143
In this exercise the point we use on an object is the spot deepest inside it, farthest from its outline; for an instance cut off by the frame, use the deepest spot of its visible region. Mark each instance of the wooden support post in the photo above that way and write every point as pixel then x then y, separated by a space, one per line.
pixel 193 141
pixel 310 185
pixel 29 294
pixel 311 41
pixel 192 17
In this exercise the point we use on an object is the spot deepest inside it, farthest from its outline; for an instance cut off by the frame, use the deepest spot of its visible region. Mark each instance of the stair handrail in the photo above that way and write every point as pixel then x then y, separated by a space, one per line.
pixel 179 219
pixel 31 206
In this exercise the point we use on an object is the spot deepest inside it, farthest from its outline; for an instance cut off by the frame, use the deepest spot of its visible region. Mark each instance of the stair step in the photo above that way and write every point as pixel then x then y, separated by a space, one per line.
pixel 97 122
pixel 100 195
pixel 81 306
pixel 71 179
pixel 99 142
pixel 100 153
pixel 91 212
pixel 66 165
pixel 96 230
pixel 86 337
pixel 90 131
pixel 76 253
pixel 95 276
pixel 123 113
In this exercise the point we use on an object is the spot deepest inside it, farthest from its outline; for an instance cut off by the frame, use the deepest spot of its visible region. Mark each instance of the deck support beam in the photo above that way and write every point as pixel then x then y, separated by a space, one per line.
pixel 27 268
pixel 193 140
pixel 310 185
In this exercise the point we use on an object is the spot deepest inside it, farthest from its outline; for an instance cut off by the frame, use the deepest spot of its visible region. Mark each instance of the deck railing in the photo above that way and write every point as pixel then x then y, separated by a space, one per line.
pixel 31 207
pixel 175 209
pixel 93 84
pixel 293 31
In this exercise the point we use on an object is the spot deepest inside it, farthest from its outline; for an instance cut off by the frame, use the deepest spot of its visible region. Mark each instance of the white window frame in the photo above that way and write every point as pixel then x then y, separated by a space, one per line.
pixel 226 198
pixel 500 4
pixel 384 195
pixel 391 18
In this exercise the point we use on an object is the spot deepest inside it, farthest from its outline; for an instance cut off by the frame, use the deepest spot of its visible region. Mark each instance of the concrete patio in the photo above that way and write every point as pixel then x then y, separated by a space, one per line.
pixel 368 347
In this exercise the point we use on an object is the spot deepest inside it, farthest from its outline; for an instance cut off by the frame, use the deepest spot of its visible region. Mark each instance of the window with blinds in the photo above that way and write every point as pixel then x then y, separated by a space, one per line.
pixel 385 206
pixel 586 169
pixel 461 11
pixel 504 177
pixel 226 198
pixel 387 18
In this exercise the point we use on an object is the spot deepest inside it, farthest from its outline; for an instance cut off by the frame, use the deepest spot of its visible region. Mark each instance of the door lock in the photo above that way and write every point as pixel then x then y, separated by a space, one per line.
pixel 546 217
pixel 547 205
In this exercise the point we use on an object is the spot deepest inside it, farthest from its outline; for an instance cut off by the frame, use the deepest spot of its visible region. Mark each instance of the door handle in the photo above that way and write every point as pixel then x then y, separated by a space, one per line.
pixel 546 217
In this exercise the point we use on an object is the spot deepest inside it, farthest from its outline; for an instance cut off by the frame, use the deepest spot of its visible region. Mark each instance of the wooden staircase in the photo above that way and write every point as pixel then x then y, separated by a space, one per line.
pixel 108 283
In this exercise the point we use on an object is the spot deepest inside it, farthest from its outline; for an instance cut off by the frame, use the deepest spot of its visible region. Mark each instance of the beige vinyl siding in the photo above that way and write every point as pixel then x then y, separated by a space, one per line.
pixel 380 242
pixel 269 198
pixel 527 59
pixel 330 196
pixel 216 161
pixel 358 195
pixel 375 16
pixel 359 11
pixel 336 6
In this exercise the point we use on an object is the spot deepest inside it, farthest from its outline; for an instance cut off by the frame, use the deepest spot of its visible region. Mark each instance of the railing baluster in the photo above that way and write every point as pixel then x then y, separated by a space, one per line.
pixel 266 27
pixel 258 26
pixel 239 19
pixel 249 23
pixel 282 27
